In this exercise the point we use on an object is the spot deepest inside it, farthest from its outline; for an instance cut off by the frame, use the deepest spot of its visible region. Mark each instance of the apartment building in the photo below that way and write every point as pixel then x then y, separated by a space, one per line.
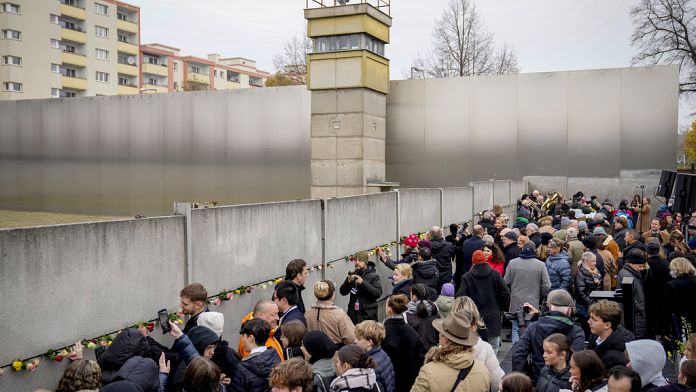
pixel 164 69
pixel 68 48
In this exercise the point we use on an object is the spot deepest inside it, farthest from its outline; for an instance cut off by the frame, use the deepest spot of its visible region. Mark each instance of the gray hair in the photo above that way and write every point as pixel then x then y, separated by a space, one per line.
pixel 532 228
pixel 436 232
pixel 488 240
pixel 572 233
pixel 488 215
pixel 588 256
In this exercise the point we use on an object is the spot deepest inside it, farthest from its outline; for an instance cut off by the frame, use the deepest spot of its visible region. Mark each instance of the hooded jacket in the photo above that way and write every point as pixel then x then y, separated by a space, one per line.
pixel 426 272
pixel 528 280
pixel 443 252
pixel 324 374
pixel 558 267
pixel 611 351
pixel 368 292
pixel 483 353
pixel 252 373
pixel 532 341
pixel 333 321
pixel 440 375
pixel 488 291
pixel 551 380
pixel 401 344
pixel 142 372
pixel 647 359
pixel 199 337
pixel 127 344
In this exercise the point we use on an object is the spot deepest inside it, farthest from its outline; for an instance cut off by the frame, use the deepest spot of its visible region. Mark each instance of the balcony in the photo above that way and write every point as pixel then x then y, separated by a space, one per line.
pixel 68 58
pixel 74 83
pixel 73 36
pixel 127 26
pixel 126 69
pixel 126 47
pixel 72 11
pixel 196 77
pixel 156 69
pixel 231 85
pixel 127 90
pixel 150 88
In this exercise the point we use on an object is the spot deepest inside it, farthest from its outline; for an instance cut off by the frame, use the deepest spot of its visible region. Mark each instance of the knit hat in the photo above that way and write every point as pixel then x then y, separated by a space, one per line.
pixel 478 257
pixel 318 345
pixel 546 238
pixel 565 222
pixel 362 256
pixel 635 256
pixel 599 230
pixel 560 297
pixel 213 320
pixel 448 288
pixel 582 225
pixel 529 245
pixel 411 240
pixel 425 244
pixel 692 243
pixel 511 235
pixel 652 248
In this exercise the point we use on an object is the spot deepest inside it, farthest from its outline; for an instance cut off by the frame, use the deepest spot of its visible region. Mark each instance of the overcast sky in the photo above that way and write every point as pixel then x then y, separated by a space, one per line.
pixel 547 35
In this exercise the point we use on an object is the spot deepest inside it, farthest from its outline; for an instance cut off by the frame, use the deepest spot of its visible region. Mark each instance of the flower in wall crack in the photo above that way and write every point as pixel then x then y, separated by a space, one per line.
pixel 17 365
pixel 2 372
pixel 31 366
pixel 216 301
pixel 229 296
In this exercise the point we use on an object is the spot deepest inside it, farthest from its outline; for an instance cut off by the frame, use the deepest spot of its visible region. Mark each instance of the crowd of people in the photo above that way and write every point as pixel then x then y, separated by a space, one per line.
pixel 446 315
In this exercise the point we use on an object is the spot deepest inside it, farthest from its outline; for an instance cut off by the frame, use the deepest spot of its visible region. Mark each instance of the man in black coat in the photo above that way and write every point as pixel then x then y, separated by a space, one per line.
pixel 296 272
pixel 285 296
pixel 364 287
pixel 443 252
pixel 655 289
pixel 489 292
pixel 425 271
pixel 510 249
pixel 608 337
pixel 468 248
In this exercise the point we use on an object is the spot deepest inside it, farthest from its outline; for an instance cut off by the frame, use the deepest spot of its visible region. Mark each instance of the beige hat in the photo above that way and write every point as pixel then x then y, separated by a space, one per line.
pixel 457 328
pixel 213 320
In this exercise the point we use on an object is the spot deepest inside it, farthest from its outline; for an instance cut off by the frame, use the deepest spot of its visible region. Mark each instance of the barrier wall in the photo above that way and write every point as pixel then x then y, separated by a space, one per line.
pixel 419 210
pixel 483 195
pixel 501 193
pixel 457 205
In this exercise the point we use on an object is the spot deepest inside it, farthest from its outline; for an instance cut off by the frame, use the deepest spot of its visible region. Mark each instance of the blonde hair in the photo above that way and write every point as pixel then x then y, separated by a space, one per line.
pixel 370 330
pixel 324 290
pixel 521 240
pixel 682 267
pixel 404 269
pixel 467 305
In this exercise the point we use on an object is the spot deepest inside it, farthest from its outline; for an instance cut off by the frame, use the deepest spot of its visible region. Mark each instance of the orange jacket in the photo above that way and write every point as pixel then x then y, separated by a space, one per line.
pixel 272 342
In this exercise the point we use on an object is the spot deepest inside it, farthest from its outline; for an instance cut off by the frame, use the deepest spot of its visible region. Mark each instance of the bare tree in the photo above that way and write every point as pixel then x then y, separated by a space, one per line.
pixel 463 47
pixel 663 33
pixel 291 61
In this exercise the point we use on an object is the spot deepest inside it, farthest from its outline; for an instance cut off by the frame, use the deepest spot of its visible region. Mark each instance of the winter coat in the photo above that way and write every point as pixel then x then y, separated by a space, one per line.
pixel 356 380
pixel 420 318
pixel 333 321
pixel 440 375
pixel 226 358
pixel 551 380
pixel 444 305
pixel 585 283
pixel 252 373
pixel 368 292
pixel 127 344
pixel 575 251
pixel 192 322
pixel 639 329
pixel 648 359
pixel 468 248
pixel 293 352
pixel 528 280
pixel 300 302
pixel 403 287
pixel 443 252
pixel 488 225
pixel 611 269
pixel 324 374
pixel 558 267
pixel 611 351
pixel 673 387
pixel 401 344
pixel 488 291
pixel 143 372
pixel 498 267
pixel 426 272
pixel 620 240
pixel 483 353
pixel 679 302
pixel 190 346
pixel 532 341
pixel 655 293
pixel 292 314
pixel 385 371
pixel 511 252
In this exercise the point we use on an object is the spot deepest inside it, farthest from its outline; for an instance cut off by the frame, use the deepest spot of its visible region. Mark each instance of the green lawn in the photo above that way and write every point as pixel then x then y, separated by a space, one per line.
pixel 13 219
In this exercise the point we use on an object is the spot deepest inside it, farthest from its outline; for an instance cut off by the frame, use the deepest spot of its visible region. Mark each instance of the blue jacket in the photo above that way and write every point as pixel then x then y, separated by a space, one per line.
pixel 385 371
pixel 293 314
pixel 468 248
pixel 252 374
pixel 559 270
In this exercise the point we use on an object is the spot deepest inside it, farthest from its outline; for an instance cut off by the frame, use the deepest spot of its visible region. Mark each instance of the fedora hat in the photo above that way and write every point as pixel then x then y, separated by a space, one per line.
pixel 457 328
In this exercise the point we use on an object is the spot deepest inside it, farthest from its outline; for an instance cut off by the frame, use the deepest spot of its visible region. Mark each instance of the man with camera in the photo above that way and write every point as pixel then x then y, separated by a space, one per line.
pixel 557 320
pixel 364 287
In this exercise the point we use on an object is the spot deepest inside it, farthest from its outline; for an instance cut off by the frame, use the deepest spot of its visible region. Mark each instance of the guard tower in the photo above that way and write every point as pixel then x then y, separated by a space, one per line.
pixel 349 79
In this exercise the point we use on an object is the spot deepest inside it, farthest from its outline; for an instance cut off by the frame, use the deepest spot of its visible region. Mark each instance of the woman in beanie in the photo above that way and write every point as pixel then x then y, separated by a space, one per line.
pixel 324 316
pixel 634 264
pixel 445 300
pixel 542 252
pixel 319 350
pixel 401 343
pixel 355 370
pixel 420 314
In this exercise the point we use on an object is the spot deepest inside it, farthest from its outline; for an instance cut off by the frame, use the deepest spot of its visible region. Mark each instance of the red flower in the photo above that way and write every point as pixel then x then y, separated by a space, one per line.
pixel 59 358
pixel 150 326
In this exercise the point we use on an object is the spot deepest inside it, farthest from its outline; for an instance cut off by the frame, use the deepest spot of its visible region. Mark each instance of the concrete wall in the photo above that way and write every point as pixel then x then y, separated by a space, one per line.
pixel 483 195
pixel 457 205
pixel 419 210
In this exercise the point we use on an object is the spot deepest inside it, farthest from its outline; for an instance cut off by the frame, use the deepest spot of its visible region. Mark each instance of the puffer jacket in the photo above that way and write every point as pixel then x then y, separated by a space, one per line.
pixel 426 272
pixel 386 378
pixel 127 344
pixel 558 267
pixel 640 327
pixel 143 372
pixel 484 354
pixel 252 373
pixel 585 283
pixel 440 374
pixel 421 319
pixel 333 321
pixel 551 380
pixel 368 292
pixel 198 338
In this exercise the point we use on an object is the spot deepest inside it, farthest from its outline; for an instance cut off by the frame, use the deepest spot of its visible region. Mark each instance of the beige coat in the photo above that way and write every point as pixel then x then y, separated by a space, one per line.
pixel 333 321
pixel 440 376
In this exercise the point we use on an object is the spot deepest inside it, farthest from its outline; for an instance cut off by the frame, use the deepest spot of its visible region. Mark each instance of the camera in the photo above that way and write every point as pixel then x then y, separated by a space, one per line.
pixel 351 273
pixel 521 315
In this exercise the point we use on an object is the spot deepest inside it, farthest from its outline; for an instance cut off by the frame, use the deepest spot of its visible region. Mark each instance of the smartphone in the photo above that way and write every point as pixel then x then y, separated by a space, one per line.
pixel 163 318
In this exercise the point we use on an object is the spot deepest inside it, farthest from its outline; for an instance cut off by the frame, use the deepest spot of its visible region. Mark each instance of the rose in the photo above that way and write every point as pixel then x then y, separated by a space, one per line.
pixel 216 301
pixel 30 367
pixel 180 313
pixel 17 365
pixel 91 344
pixel 59 358
pixel 230 296
pixel 150 326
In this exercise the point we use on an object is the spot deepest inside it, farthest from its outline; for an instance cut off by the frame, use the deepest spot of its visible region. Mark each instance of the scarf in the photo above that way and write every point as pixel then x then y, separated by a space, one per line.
pixel 355 378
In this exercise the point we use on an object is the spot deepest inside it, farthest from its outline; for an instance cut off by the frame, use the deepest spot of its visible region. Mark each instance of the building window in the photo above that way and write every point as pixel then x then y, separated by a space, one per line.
pixel 122 16
pixel 72 3
pixel 11 34
pixel 55 93
pixel 101 31
pixel 195 69
pixel 68 94
pixel 13 87
pixel 10 7
pixel 124 81
pixel 176 85
pixel 54 19
pixel 101 9
pixel 348 42
pixel 102 54
pixel 55 68
pixel 123 38
pixel 67 48
pixel 152 81
pixel 69 72
pixel 102 77
pixel 175 66
pixel 152 60
pixel 12 60
pixel 55 43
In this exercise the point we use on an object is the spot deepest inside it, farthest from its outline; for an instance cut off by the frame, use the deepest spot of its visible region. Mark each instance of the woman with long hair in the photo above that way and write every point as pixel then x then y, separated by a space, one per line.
pixel 79 375
pixel 355 370
pixel 587 372
pixel 420 313
pixel 556 372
